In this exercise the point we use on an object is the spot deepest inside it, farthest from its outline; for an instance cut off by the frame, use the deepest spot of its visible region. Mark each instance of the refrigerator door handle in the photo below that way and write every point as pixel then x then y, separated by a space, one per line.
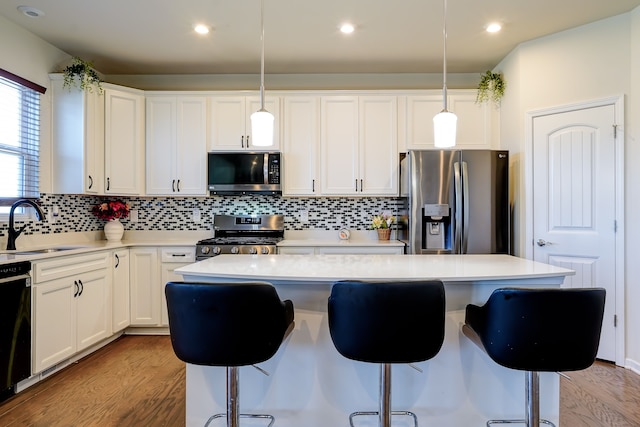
pixel 465 207
pixel 457 239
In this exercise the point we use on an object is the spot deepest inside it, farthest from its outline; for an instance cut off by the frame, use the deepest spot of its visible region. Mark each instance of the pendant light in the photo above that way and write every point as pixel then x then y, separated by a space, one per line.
pixel 444 123
pixel 262 120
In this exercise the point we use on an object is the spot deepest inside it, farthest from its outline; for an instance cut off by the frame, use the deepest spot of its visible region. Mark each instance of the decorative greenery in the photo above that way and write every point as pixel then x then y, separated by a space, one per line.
pixel 491 87
pixel 111 210
pixel 81 74
pixel 382 221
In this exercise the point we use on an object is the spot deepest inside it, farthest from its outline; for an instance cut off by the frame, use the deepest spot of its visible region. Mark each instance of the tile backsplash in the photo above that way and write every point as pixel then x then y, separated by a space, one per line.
pixel 181 213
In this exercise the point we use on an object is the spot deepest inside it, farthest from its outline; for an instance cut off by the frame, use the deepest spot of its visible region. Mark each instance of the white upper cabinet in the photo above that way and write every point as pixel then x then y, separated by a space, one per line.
pixel 77 153
pixel 475 121
pixel 359 145
pixel 230 122
pixel 301 145
pixel 124 141
pixel 176 145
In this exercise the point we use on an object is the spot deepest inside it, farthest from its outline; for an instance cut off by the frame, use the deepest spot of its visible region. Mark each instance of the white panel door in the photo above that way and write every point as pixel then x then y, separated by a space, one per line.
pixel 574 203
pixel 160 146
pixel 339 145
pixel 191 146
pixel 93 308
pixel 301 134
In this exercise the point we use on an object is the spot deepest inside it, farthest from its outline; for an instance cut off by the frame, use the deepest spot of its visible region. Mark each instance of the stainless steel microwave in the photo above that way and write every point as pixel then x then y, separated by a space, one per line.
pixel 242 172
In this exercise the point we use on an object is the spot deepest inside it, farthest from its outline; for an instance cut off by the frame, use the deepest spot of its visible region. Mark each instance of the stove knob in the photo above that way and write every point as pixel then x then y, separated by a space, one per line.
pixel 253 251
pixel 235 250
pixel 217 250
pixel 265 251
pixel 205 250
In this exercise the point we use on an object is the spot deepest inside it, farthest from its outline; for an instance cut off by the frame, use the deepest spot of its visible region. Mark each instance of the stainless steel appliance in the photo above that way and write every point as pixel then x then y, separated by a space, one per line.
pixel 458 202
pixel 244 173
pixel 15 326
pixel 242 234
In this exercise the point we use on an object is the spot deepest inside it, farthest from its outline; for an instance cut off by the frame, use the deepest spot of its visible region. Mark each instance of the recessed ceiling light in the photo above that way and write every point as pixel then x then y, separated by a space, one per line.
pixel 201 29
pixel 31 12
pixel 347 28
pixel 494 28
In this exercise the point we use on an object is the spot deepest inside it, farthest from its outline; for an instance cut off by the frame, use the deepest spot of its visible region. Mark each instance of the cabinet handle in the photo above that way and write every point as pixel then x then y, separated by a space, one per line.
pixel 180 255
pixel 81 287
pixel 313 185
pixel 173 185
pixel 90 182
pixel 356 185
pixel 117 260
pixel 361 185
pixel 242 141
pixel 247 141
pixel 108 183
pixel 178 186
pixel 76 288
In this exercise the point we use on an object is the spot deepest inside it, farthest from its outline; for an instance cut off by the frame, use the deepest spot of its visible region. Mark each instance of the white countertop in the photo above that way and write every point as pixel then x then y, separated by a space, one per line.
pixel 339 243
pixel 329 268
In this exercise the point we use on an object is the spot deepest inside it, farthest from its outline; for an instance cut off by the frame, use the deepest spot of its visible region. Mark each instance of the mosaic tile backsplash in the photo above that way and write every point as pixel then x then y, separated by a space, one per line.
pixel 177 213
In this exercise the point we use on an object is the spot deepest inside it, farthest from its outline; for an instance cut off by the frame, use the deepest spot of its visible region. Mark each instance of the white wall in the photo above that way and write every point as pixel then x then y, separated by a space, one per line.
pixel 32 58
pixel 593 61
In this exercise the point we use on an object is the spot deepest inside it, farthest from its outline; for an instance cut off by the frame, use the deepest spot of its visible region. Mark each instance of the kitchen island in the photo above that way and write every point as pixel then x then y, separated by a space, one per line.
pixel 312 385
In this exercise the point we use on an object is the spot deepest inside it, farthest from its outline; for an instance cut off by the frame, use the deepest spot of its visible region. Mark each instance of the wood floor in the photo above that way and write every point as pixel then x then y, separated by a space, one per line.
pixel 138 382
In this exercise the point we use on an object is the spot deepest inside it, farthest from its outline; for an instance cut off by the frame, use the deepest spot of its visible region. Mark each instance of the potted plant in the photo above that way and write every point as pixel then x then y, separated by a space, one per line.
pixel 382 224
pixel 81 74
pixel 491 87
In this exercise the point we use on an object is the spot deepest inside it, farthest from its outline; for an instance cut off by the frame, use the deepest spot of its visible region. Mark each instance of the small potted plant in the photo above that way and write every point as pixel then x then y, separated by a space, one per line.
pixel 491 88
pixel 81 74
pixel 382 224
pixel 111 212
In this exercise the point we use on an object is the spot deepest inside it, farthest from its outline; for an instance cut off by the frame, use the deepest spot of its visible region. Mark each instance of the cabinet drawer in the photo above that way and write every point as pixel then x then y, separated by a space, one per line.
pixel 43 271
pixel 178 254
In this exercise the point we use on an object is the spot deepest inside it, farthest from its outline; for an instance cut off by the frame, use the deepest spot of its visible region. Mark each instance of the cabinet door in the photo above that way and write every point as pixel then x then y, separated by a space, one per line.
pixel 272 105
pixel 191 151
pixel 161 145
pixel 379 160
pixel 145 293
pixel 420 111
pixel 55 322
pixel 339 145
pixel 474 128
pixel 93 305
pixel 300 135
pixel 120 291
pixel 167 275
pixel 227 121
pixel 124 142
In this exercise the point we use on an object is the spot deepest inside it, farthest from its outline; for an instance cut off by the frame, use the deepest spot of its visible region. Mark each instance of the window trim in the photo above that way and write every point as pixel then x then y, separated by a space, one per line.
pixel 24 82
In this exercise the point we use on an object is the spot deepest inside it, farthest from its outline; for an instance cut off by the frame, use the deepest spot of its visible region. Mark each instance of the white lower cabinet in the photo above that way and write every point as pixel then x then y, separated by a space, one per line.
pixel 172 258
pixel 150 270
pixel 121 317
pixel 72 306
pixel 145 292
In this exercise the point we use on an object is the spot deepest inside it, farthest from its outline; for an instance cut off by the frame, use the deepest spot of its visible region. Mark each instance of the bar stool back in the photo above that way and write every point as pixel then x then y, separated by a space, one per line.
pixel 538 330
pixel 230 325
pixel 387 322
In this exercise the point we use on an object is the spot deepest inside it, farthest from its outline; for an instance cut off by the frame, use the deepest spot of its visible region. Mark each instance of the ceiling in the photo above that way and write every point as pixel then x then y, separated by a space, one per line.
pixel 301 36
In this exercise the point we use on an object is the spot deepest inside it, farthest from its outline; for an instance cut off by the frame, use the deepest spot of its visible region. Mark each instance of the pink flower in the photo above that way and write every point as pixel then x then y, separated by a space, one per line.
pixel 111 210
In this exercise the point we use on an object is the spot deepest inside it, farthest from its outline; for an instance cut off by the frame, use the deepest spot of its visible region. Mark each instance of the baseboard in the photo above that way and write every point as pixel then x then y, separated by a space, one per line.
pixel 632 365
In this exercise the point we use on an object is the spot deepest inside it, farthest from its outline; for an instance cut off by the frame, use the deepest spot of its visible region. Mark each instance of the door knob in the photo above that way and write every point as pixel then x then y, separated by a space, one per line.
pixel 542 242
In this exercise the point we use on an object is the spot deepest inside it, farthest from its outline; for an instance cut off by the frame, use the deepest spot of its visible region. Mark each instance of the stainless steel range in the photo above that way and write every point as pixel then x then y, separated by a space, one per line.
pixel 242 234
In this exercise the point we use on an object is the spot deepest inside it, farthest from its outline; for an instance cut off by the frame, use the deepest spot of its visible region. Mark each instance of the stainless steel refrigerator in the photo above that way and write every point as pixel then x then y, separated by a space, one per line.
pixel 457 202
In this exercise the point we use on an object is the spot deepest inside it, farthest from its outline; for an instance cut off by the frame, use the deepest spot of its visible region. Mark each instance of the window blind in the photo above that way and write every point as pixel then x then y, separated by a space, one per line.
pixel 19 141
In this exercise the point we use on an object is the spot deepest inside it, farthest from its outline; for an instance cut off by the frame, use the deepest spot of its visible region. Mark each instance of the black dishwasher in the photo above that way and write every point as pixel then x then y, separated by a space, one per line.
pixel 15 326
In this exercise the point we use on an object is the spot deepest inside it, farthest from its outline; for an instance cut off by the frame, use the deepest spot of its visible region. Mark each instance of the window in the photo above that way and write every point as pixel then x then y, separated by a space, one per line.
pixel 19 138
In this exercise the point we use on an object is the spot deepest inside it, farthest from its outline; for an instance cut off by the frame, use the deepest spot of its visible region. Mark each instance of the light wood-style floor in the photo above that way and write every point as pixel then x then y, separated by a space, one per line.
pixel 138 381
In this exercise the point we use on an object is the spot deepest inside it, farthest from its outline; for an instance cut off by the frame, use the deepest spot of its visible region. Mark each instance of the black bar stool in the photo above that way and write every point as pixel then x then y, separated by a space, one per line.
pixel 227 324
pixel 538 330
pixel 387 322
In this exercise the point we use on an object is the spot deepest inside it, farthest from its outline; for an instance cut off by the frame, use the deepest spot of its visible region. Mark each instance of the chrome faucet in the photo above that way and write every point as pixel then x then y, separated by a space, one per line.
pixel 13 233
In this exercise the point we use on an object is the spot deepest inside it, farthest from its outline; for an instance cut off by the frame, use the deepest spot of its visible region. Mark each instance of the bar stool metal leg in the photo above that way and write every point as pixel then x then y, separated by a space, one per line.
pixel 532 403
pixel 233 414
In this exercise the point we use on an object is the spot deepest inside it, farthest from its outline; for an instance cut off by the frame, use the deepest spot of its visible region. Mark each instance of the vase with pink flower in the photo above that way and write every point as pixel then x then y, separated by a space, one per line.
pixel 112 211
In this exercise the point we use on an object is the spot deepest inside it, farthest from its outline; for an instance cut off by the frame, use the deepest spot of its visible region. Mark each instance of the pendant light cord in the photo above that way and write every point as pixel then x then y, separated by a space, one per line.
pixel 444 66
pixel 262 56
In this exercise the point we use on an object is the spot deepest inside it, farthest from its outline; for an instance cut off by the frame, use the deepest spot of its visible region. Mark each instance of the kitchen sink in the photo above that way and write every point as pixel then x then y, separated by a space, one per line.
pixel 41 251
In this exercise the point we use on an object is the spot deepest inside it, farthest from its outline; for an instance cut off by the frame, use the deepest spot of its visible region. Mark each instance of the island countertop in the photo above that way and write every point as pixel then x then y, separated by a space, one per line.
pixel 332 267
